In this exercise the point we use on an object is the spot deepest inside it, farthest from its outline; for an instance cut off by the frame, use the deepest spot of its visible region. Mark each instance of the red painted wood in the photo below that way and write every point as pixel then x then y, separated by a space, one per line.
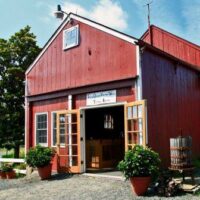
pixel 111 59
pixel 174 45
pixel 172 92
pixel 123 94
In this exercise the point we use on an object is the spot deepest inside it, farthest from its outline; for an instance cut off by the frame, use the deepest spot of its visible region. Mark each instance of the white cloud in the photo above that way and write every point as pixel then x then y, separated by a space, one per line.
pixel 110 13
pixel 107 12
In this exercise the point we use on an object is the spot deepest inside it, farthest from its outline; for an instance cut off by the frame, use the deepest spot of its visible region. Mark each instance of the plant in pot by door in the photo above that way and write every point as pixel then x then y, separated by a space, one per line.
pixel 139 165
pixel 7 171
pixel 40 157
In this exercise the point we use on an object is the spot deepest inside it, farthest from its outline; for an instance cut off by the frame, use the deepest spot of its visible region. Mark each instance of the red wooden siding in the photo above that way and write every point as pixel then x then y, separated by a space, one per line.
pixel 123 94
pixel 111 59
pixel 174 45
pixel 172 92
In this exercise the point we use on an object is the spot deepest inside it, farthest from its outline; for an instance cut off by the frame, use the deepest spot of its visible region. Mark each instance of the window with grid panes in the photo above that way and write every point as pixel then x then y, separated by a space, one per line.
pixel 54 130
pixel 108 122
pixel 41 129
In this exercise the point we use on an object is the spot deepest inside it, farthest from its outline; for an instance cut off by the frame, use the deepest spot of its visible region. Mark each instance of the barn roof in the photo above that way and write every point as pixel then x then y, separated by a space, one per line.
pixel 144 40
pixel 89 22
pixel 146 33
pixel 173 44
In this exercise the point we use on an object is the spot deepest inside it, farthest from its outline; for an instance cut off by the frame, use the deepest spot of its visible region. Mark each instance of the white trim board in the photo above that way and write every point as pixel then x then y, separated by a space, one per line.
pixel 88 22
pixel 138 84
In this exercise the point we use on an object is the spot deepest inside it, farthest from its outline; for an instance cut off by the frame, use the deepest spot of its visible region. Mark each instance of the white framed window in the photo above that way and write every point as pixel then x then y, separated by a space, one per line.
pixel 54 130
pixel 108 122
pixel 41 129
pixel 71 37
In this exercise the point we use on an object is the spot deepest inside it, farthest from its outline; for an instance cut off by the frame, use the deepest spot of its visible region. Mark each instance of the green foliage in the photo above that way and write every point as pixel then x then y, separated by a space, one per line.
pixel 39 156
pixel 140 162
pixel 6 167
pixel 196 162
pixel 11 155
pixel 19 165
pixel 16 55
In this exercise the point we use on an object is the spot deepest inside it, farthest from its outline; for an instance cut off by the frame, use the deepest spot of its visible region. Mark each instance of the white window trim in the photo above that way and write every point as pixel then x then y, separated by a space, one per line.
pixel 42 144
pixel 77 37
pixel 61 145
pixel 53 112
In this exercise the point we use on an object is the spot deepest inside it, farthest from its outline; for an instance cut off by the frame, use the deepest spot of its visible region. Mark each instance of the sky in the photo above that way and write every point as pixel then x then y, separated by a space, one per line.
pixel 180 17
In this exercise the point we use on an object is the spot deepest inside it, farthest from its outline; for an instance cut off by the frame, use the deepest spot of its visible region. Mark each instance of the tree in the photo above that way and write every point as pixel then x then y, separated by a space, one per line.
pixel 16 55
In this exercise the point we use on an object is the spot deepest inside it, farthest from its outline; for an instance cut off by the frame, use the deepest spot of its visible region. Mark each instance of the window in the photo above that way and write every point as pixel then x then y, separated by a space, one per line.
pixel 108 122
pixel 54 130
pixel 71 37
pixel 41 129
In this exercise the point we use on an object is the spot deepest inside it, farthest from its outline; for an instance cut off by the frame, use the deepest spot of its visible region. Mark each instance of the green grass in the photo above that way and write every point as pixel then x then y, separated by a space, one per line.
pixel 10 153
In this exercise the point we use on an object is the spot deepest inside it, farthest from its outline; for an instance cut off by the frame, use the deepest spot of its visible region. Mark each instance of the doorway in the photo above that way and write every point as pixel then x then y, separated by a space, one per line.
pixel 104 134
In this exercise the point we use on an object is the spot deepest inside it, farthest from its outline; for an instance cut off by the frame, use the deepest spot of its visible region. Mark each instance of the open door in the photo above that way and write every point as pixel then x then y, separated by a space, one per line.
pixel 68 139
pixel 135 124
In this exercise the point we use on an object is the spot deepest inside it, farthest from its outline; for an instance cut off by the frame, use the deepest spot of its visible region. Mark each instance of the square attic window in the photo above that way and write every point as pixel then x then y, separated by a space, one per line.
pixel 71 37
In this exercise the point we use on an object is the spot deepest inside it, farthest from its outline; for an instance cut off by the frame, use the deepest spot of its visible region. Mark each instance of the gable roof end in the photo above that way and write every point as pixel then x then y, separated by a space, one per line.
pixel 89 22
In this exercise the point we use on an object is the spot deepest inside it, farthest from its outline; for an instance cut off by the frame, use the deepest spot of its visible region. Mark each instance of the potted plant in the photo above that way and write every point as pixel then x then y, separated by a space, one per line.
pixel 139 165
pixel 7 171
pixel 40 157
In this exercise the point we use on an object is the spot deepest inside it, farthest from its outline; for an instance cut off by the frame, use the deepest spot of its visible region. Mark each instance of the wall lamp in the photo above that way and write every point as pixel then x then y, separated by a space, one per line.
pixel 59 13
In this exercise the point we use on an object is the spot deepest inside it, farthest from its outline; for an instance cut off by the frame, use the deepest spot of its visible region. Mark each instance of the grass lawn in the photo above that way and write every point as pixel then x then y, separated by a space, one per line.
pixel 10 153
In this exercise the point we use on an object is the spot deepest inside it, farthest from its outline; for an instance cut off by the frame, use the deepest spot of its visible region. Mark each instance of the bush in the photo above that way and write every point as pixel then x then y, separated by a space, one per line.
pixel 140 162
pixel 6 167
pixel 39 156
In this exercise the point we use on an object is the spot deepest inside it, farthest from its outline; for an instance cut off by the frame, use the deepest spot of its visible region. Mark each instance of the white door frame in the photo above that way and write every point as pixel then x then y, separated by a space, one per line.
pixel 82 129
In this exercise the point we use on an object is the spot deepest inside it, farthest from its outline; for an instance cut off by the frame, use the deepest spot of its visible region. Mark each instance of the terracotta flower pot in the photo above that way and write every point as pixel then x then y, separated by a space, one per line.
pixel 45 172
pixel 2 175
pixel 140 185
pixel 11 174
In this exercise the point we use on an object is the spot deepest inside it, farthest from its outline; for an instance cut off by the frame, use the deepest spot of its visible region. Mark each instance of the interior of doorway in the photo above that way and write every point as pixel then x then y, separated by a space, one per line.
pixel 104 133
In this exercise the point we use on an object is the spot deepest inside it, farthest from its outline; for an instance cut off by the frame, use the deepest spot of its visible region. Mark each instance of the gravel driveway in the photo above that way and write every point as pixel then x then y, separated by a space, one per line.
pixel 77 187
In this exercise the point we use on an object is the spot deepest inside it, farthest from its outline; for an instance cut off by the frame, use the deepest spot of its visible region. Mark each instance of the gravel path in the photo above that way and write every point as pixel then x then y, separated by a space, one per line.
pixel 77 187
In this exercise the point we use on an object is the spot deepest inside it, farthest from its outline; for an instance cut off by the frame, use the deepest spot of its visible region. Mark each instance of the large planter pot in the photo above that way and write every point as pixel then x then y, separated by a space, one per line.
pixel 2 175
pixel 140 185
pixel 45 172
pixel 10 175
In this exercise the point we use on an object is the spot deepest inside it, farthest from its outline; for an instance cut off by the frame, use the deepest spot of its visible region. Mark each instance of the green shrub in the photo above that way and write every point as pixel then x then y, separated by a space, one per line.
pixel 39 156
pixel 19 165
pixel 196 162
pixel 11 155
pixel 140 162
pixel 6 167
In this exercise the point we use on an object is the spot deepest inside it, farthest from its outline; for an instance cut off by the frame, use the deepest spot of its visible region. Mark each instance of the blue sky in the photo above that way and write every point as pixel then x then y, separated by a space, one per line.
pixel 181 17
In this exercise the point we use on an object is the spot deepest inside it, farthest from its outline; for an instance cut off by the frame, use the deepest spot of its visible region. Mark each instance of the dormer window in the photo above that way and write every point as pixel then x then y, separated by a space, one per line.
pixel 71 37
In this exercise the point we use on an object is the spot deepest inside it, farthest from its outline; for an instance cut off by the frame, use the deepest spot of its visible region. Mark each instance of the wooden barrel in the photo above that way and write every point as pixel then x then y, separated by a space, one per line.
pixel 181 152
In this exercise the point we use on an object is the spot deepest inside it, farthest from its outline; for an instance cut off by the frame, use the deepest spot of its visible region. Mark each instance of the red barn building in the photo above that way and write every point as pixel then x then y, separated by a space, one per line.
pixel 94 92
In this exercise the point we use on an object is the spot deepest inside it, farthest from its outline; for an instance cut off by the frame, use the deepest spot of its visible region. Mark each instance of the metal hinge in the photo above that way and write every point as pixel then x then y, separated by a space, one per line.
pixel 82 162
pixel 81 138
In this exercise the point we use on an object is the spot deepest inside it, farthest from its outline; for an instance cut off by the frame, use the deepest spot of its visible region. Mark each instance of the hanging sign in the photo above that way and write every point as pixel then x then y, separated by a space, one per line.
pixel 103 97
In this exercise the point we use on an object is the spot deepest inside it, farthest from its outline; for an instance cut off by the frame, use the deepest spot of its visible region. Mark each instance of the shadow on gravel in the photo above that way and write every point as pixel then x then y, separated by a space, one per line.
pixel 60 176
